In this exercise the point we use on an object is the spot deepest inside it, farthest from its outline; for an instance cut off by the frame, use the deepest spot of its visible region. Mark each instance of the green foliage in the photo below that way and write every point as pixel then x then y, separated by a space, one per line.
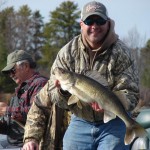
pixel 37 32
pixel 61 28
pixel 146 77
pixel 6 84
pixel 3 51
pixel 148 44
pixel 19 30
pixel 24 11
pixel 145 60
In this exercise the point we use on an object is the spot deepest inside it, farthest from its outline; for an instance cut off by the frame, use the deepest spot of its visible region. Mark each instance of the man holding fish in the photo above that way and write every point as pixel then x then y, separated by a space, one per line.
pixel 106 89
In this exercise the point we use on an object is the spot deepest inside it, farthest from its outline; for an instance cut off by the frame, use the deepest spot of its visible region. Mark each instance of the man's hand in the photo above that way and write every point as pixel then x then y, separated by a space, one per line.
pixel 32 145
pixel 57 84
pixel 3 107
pixel 96 107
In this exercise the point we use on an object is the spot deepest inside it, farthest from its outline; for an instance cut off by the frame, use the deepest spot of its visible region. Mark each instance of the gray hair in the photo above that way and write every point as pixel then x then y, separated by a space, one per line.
pixel 31 63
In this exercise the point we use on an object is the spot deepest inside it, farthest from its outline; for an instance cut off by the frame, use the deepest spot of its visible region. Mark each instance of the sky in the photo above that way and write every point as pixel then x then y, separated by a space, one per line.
pixel 127 14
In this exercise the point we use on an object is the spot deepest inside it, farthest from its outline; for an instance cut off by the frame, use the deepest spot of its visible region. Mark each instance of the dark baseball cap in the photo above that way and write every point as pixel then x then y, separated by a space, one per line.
pixel 94 8
pixel 14 57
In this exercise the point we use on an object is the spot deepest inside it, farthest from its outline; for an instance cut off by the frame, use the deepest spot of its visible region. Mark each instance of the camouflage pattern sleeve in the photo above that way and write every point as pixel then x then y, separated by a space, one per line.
pixel 126 77
pixel 38 116
pixel 40 111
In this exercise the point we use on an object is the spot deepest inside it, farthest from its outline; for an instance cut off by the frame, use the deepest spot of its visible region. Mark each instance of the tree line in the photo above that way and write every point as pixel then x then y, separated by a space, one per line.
pixel 25 29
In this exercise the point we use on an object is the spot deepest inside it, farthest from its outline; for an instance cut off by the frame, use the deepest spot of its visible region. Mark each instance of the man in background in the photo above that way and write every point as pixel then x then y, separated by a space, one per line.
pixel 22 70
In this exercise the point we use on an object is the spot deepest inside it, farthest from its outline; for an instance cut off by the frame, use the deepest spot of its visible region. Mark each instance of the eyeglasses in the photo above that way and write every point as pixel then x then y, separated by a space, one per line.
pixel 98 21
pixel 12 71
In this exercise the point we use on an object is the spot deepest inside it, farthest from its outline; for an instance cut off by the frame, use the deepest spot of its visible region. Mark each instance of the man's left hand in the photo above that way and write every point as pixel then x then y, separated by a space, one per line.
pixel 96 107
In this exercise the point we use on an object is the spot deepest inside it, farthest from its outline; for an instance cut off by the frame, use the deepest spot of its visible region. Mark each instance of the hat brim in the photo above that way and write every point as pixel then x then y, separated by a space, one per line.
pixel 8 67
pixel 94 13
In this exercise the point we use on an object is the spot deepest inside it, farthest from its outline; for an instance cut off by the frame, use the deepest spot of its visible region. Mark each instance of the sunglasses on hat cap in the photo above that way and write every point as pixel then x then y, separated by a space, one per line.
pixel 12 71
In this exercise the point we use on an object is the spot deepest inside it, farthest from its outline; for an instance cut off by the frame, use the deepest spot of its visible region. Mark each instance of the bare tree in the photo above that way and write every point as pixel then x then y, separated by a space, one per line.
pixel 134 40
pixel 136 43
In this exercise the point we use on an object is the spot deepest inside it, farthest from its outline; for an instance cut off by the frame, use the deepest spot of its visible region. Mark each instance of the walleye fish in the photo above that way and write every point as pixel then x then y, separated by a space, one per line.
pixel 88 90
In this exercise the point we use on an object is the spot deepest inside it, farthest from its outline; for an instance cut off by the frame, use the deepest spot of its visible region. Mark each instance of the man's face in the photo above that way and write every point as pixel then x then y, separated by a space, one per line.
pixel 94 29
pixel 19 73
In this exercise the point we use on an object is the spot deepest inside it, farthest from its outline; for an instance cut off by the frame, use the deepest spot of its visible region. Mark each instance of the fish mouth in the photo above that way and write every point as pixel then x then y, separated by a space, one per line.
pixel 63 77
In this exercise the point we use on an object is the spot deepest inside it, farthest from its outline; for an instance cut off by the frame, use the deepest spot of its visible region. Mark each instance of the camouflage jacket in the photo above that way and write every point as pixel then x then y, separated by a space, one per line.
pixel 112 60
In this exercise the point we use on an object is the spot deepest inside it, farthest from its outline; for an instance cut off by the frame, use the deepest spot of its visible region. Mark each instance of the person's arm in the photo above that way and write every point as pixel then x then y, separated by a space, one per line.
pixel 37 117
pixel 40 110
pixel 126 78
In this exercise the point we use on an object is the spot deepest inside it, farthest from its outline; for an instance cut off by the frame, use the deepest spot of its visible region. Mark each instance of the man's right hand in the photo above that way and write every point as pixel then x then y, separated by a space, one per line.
pixel 3 107
pixel 32 145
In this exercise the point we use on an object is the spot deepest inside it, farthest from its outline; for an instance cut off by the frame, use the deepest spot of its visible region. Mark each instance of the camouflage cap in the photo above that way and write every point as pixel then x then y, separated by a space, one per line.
pixel 94 8
pixel 14 57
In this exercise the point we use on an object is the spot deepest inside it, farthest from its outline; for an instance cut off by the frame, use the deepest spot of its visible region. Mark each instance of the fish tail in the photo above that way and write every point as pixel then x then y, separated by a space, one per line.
pixel 134 131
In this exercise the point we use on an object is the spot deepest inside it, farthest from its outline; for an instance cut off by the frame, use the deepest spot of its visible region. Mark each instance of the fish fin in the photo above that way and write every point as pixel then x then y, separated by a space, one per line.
pixel 97 77
pixel 123 98
pixel 134 131
pixel 73 99
pixel 108 116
